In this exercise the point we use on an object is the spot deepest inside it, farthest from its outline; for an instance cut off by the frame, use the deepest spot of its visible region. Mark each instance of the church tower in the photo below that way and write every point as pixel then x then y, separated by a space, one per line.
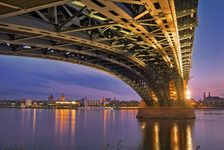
pixel 62 97
pixel 204 96
pixel 51 99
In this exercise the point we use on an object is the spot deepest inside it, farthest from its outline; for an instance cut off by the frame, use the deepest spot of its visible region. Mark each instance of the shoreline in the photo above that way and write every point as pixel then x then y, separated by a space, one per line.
pixel 96 108
pixel 77 108
pixel 208 107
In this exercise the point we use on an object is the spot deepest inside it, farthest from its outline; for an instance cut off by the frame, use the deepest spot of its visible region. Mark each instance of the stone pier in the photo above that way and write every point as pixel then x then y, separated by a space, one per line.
pixel 166 112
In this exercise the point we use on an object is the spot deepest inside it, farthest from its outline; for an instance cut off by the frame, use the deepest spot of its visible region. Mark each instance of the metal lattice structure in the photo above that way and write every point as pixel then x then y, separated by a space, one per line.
pixel 146 43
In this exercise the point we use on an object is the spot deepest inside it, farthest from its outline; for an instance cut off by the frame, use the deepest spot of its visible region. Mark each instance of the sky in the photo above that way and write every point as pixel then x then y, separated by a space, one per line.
pixel 207 72
pixel 32 78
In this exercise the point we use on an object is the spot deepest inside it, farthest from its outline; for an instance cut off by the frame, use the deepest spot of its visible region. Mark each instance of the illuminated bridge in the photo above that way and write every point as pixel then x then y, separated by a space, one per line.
pixel 146 43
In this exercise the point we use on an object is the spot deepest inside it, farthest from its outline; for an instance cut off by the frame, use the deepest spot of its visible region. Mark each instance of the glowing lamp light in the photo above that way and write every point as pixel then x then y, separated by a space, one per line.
pixel 188 97
pixel 73 102
pixel 188 94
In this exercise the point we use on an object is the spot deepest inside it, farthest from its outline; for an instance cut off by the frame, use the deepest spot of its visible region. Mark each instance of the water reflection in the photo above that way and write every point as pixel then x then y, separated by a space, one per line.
pixel 94 129
pixel 34 120
pixel 65 122
pixel 167 134
pixel 73 117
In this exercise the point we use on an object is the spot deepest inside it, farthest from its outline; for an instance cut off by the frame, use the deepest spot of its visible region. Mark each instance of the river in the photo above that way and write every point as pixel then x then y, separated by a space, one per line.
pixel 66 129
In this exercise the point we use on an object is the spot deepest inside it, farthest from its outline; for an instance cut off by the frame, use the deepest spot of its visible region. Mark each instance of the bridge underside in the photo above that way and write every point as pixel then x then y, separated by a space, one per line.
pixel 146 43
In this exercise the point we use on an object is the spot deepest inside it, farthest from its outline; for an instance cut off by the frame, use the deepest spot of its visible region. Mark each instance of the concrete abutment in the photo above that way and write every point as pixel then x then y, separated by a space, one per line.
pixel 166 112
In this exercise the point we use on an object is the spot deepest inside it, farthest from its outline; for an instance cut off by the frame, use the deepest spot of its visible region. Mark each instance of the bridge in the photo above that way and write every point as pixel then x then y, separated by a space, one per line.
pixel 145 43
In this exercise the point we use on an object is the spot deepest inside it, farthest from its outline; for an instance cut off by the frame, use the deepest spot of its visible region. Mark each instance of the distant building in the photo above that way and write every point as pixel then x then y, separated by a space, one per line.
pixel 94 102
pixel 5 103
pixel 28 103
pixel 67 104
pixel 211 99
pixel 204 96
pixel 51 99
pixel 105 101
pixel 20 103
pixel 62 97
pixel 108 99
pixel 87 102
pixel 114 98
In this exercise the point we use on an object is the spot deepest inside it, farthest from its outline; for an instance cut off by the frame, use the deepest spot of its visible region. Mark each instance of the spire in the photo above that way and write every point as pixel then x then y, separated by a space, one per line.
pixel 51 98
pixel 62 97
pixel 204 96
pixel 209 94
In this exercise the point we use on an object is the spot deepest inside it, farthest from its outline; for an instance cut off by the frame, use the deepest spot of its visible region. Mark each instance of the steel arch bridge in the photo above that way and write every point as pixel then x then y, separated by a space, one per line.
pixel 146 43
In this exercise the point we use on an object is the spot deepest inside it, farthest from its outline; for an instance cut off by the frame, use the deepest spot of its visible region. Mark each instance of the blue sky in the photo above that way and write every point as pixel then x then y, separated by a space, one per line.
pixel 36 78
pixel 207 73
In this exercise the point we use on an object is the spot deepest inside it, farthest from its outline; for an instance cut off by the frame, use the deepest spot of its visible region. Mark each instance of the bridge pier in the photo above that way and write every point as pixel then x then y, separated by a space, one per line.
pixel 166 112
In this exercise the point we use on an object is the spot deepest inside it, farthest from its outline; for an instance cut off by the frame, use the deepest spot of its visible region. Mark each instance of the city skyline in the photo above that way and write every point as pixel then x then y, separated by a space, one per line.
pixel 36 78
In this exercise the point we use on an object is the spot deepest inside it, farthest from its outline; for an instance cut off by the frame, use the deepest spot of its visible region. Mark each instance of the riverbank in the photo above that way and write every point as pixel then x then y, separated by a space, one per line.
pixel 204 107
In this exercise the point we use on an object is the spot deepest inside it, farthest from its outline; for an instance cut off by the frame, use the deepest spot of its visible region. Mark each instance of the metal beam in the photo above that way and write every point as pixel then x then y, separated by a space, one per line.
pixel 42 16
pixel 89 27
pixel 70 18
pixel 128 1
pixel 37 6
pixel 185 50
pixel 116 38
pixel 186 44
pixel 9 5
pixel 186 36
pixel 186 12
pixel 141 15
pixel 28 38
pixel 186 26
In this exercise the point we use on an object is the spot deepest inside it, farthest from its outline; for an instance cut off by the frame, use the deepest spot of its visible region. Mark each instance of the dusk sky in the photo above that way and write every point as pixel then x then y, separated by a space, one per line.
pixel 207 72
pixel 36 78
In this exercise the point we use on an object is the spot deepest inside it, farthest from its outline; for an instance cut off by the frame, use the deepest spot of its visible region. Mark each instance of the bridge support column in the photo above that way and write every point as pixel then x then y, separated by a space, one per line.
pixel 166 112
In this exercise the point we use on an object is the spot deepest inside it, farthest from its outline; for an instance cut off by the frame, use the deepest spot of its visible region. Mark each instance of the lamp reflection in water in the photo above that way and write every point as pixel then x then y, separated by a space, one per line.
pixel 166 134
pixel 63 124
pixel 189 138
pixel 104 122
pixel 156 135
pixel 34 120
pixel 175 137
pixel 73 117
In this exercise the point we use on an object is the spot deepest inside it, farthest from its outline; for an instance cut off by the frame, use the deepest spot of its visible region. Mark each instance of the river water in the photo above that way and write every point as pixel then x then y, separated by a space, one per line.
pixel 65 129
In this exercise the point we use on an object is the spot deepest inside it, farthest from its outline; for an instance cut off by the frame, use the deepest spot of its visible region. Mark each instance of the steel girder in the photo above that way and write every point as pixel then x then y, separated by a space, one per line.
pixel 187 22
pixel 12 7
pixel 138 41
